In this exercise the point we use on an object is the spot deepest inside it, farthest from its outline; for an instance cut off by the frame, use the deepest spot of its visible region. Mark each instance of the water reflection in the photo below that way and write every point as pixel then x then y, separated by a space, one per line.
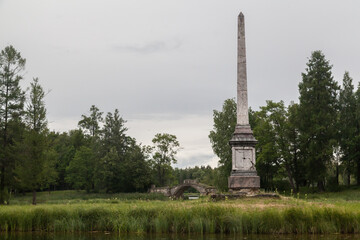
pixel 113 236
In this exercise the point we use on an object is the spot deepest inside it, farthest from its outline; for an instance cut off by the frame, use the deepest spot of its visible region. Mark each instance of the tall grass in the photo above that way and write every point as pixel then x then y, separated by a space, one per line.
pixel 179 217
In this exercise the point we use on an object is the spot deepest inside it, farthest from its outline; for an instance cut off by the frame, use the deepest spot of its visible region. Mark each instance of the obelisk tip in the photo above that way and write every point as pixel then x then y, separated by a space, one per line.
pixel 241 15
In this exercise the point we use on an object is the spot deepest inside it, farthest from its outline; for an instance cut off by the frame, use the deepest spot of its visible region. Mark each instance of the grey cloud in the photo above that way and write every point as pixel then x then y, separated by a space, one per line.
pixel 160 62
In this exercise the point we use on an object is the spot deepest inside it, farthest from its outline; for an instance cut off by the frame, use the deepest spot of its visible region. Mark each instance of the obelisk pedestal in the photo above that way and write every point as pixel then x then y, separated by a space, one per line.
pixel 243 175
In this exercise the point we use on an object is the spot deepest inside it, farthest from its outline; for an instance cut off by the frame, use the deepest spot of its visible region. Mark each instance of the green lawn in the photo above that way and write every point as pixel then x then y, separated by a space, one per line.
pixel 72 196
pixel 346 195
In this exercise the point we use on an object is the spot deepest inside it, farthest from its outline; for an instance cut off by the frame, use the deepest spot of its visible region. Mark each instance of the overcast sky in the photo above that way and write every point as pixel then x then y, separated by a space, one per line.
pixel 166 65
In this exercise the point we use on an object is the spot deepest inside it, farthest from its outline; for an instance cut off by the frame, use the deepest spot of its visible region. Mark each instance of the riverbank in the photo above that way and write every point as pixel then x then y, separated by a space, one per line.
pixel 247 216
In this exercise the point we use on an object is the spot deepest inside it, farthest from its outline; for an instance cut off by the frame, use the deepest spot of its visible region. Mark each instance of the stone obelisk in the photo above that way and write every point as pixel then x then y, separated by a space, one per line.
pixel 243 175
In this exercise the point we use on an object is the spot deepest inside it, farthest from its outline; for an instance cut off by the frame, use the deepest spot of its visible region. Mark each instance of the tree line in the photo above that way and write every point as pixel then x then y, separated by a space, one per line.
pixel 98 156
pixel 310 143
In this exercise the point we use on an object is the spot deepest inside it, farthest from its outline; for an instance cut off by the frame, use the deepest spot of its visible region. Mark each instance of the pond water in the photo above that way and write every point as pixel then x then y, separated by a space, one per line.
pixel 113 236
pixel 193 197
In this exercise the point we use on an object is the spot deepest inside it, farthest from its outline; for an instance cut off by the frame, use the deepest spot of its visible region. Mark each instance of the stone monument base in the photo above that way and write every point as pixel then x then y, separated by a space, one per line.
pixel 240 183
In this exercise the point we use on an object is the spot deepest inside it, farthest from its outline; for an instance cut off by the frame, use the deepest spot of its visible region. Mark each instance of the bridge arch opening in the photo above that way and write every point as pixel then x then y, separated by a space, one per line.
pixel 187 191
pixel 181 189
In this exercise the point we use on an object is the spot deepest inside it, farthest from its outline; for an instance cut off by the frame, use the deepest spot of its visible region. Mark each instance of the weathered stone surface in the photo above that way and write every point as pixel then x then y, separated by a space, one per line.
pixel 243 182
pixel 219 197
pixel 243 158
pixel 243 136
pixel 164 190
pixel 243 174
pixel 242 97
pixel 179 190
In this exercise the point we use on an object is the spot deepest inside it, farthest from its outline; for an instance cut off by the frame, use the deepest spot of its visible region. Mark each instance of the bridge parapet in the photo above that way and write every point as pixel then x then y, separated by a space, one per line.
pixel 164 190
pixel 178 191
pixel 190 181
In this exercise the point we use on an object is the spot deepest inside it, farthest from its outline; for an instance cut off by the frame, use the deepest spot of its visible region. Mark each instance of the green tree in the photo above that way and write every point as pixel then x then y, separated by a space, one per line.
pixel 50 176
pixel 65 146
pixel 11 107
pixel 347 125
pixel 91 124
pixel 113 133
pixel 357 134
pixel 269 132
pixel 278 144
pixel 137 169
pixel 109 172
pixel 317 117
pixel 166 147
pixel 223 129
pixel 35 115
pixel 114 147
pixel 87 168
pixel 295 161
pixel 33 168
pixel 80 171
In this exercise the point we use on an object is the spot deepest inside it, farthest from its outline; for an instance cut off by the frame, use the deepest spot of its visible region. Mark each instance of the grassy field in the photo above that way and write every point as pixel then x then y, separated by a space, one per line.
pixel 72 211
pixel 71 197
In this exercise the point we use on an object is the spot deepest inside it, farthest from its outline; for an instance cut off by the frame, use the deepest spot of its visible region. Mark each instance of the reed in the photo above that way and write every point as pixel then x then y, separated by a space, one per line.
pixel 293 216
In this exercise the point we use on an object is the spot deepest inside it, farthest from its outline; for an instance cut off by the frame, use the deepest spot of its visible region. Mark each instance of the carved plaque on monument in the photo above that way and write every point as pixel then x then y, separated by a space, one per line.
pixel 243 157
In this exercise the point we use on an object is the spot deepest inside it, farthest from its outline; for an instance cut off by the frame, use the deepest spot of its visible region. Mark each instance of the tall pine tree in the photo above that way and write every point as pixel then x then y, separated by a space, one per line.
pixel 11 108
pixel 347 125
pixel 357 134
pixel 33 166
pixel 317 115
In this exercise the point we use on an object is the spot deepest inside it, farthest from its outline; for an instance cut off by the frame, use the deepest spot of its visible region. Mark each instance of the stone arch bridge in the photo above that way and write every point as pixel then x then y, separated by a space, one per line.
pixel 178 191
